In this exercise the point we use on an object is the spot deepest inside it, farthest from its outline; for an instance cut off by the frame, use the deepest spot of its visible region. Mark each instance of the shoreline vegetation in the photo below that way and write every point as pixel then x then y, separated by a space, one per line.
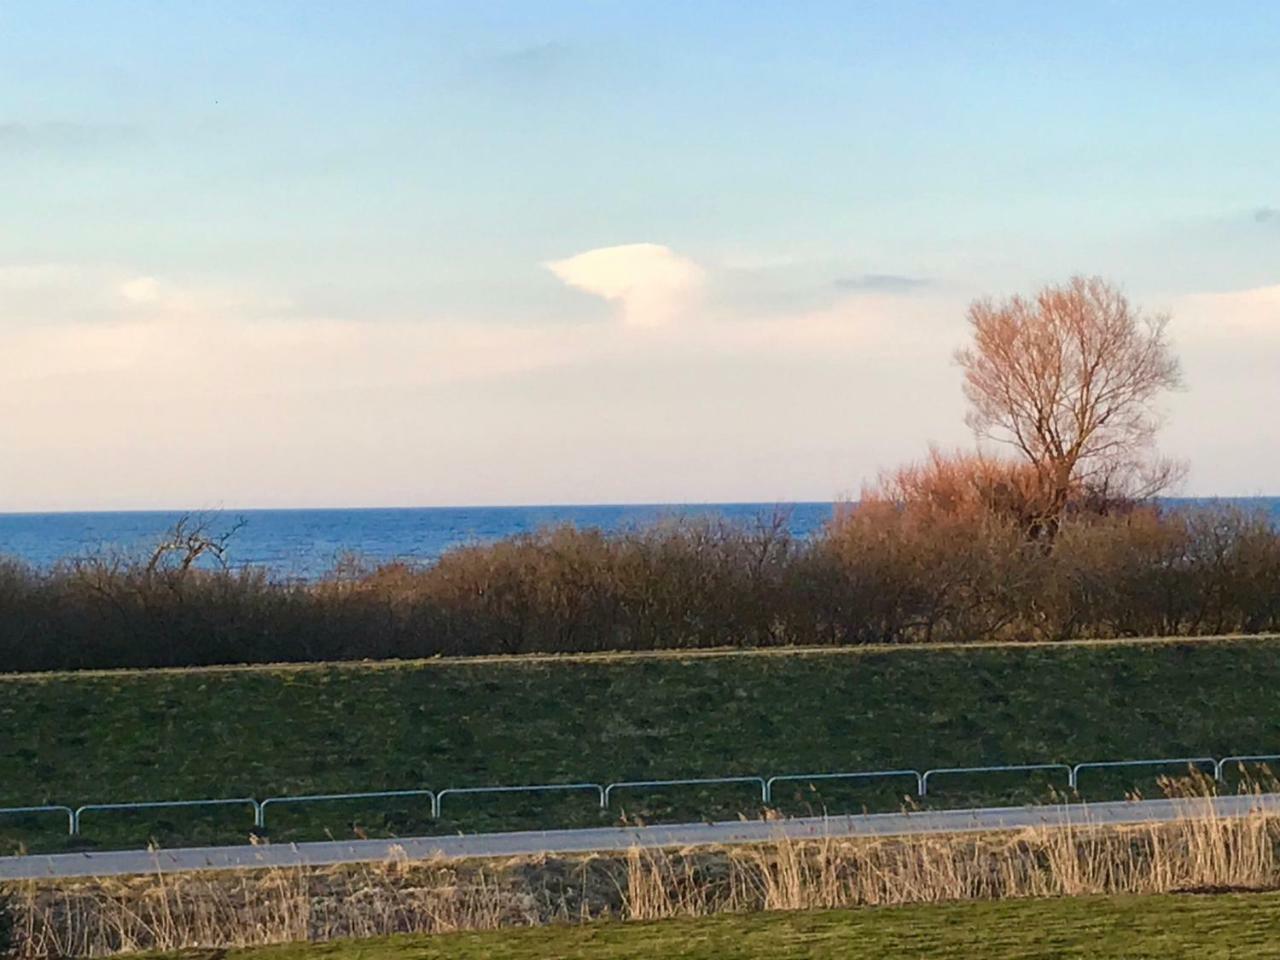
pixel 1089 869
pixel 878 574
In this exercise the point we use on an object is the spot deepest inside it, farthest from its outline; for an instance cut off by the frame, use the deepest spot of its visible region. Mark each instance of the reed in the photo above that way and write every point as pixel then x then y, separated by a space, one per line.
pixel 1198 852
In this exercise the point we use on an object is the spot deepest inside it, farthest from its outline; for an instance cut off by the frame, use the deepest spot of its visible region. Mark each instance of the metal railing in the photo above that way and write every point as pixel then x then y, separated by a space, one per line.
pixel 596 788
pixel 1211 763
pixel 46 808
pixel 260 820
pixel 1003 768
pixel 604 792
pixel 1241 761
pixel 857 775
pixel 158 804
pixel 689 782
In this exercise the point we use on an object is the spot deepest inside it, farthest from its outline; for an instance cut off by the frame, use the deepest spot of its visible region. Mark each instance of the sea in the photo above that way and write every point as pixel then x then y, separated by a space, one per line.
pixel 304 544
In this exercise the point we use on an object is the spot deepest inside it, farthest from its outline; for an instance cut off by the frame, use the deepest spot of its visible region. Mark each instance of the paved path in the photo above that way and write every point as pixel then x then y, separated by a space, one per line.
pixel 111 863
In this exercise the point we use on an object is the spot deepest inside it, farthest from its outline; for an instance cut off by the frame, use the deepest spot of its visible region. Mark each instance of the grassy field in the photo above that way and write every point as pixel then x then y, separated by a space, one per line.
pixel 1102 928
pixel 126 736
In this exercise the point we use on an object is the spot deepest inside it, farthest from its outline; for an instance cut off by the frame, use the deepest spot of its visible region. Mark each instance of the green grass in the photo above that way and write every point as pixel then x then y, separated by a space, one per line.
pixel 267 731
pixel 1116 928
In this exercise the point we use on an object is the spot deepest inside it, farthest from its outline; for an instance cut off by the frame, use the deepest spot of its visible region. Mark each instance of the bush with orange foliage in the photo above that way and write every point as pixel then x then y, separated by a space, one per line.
pixel 975 484
pixel 963 484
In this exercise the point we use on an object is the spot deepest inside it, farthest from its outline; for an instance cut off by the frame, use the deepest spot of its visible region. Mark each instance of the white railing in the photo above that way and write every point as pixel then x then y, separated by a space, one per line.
pixel 603 792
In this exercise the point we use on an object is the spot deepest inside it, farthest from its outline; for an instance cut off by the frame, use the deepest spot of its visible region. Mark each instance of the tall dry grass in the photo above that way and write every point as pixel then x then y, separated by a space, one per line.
pixel 102 917
pixel 1199 851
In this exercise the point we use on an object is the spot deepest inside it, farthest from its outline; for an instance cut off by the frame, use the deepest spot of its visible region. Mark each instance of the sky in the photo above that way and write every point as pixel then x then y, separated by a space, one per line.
pixel 308 254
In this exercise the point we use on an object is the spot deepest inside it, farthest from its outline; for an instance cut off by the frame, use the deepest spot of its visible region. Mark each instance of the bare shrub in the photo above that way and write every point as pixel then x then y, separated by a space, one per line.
pixel 943 562
pixel 883 573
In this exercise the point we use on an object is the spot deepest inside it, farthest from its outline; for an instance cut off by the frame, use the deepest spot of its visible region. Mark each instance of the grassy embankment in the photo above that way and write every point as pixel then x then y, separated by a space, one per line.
pixel 80 738
pixel 1105 928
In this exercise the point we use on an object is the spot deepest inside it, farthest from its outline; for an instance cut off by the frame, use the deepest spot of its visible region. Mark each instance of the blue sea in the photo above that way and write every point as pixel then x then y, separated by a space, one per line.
pixel 306 543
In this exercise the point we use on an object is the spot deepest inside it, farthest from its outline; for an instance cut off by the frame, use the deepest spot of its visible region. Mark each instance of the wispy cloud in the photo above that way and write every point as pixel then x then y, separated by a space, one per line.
pixel 1267 215
pixel 884 282
pixel 530 67
pixel 62 135
pixel 1230 316
pixel 536 58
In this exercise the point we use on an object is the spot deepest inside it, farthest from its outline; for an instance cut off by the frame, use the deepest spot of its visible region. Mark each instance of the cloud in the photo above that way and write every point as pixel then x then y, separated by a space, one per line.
pixel 787 398
pixel 18 137
pixel 34 276
pixel 140 290
pixel 1268 215
pixel 1252 314
pixel 651 284
pixel 60 320
pixel 427 409
pixel 888 282
pixel 535 61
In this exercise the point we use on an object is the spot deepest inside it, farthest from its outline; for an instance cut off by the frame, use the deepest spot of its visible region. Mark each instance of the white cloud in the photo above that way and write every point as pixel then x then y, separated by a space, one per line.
pixel 38 276
pixel 142 390
pixel 1253 313
pixel 140 290
pixel 171 336
pixel 651 284
pixel 1222 424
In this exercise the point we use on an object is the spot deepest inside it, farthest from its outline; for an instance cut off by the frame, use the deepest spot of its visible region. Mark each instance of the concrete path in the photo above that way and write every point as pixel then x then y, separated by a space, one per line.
pixel 118 862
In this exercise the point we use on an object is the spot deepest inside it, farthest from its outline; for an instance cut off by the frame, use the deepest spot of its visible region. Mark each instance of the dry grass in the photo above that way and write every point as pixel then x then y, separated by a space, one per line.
pixel 285 667
pixel 107 916
pixel 1201 851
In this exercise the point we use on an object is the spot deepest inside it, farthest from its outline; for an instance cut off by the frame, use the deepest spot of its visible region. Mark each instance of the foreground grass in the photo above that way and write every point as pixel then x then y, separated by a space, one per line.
pixel 258 732
pixel 1108 928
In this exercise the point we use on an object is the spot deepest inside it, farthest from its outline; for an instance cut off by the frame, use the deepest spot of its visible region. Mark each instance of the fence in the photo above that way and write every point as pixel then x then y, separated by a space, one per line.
pixel 604 792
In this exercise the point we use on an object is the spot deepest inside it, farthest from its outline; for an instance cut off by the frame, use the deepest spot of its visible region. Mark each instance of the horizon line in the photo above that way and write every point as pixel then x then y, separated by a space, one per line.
pixel 600 505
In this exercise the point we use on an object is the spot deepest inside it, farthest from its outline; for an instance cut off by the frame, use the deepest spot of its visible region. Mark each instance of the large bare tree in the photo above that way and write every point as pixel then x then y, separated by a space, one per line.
pixel 1070 379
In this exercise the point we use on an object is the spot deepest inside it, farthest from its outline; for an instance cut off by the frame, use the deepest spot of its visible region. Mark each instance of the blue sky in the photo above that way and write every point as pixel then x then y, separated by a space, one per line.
pixel 314 253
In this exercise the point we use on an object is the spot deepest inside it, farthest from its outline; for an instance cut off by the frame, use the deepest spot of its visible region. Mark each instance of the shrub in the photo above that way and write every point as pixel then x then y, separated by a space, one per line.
pixel 884 572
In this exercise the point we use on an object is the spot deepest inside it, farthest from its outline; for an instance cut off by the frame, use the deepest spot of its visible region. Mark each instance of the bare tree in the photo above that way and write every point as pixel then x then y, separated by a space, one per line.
pixel 1070 379
pixel 189 539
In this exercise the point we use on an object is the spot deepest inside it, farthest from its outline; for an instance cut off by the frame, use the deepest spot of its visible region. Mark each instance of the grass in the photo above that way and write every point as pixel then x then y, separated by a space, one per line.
pixel 223 910
pixel 126 736
pixel 1106 928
